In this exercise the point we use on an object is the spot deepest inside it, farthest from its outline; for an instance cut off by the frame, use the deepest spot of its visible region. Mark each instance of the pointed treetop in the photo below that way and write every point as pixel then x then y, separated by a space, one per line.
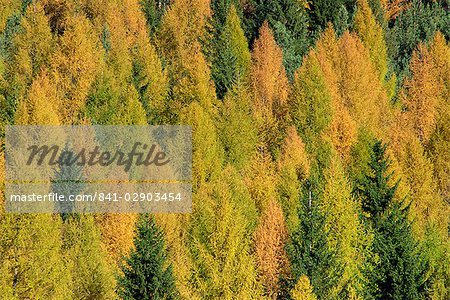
pixel 268 74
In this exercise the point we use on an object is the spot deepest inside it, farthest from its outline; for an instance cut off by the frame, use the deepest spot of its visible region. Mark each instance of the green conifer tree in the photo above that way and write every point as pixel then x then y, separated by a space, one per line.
pixel 146 274
pixel 322 12
pixel 399 272
pixel 308 249
pixel 232 58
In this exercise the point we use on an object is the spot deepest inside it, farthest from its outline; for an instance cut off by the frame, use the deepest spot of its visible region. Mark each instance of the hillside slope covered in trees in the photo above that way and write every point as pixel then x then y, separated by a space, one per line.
pixel 321 146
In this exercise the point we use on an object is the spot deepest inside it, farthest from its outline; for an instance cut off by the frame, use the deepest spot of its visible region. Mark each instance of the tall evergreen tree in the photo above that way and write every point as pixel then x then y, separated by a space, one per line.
pixel 232 56
pixel 146 274
pixel 308 249
pixel 221 10
pixel 323 12
pixel 399 272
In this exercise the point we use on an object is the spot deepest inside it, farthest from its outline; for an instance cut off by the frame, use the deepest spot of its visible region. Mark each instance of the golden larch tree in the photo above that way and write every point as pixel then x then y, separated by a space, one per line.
pixel 270 238
pixel 32 46
pixel 343 129
pixel 271 89
pixel 269 78
pixel 439 145
pixel 183 28
pixel 42 103
pixel 359 85
pixel 293 167
pixel 76 63
pixel 421 94
pixel 261 179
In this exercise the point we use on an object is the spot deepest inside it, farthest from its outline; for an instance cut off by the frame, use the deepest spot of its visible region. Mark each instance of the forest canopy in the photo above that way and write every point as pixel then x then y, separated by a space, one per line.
pixel 321 146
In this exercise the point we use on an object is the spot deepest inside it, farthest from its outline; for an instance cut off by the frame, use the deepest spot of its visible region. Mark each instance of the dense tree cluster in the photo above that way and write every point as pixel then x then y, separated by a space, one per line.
pixel 321 146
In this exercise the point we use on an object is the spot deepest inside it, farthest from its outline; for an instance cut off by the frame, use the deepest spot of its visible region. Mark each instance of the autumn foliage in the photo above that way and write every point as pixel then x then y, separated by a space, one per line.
pixel 289 102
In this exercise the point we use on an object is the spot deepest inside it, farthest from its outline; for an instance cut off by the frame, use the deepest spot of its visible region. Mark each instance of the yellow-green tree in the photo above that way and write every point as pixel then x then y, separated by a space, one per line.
pixel 42 104
pixel 303 290
pixel 75 62
pixel 113 102
pixel 311 108
pixel 372 36
pixel 293 168
pixel 311 100
pixel 439 145
pixel 92 271
pixel 221 238
pixel 8 7
pixel 149 78
pixel 235 124
pixel 31 244
pixel 33 264
pixel 182 29
pixel 207 151
pixel 427 206
pixel 32 47
pixel 261 179
pixel 345 233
